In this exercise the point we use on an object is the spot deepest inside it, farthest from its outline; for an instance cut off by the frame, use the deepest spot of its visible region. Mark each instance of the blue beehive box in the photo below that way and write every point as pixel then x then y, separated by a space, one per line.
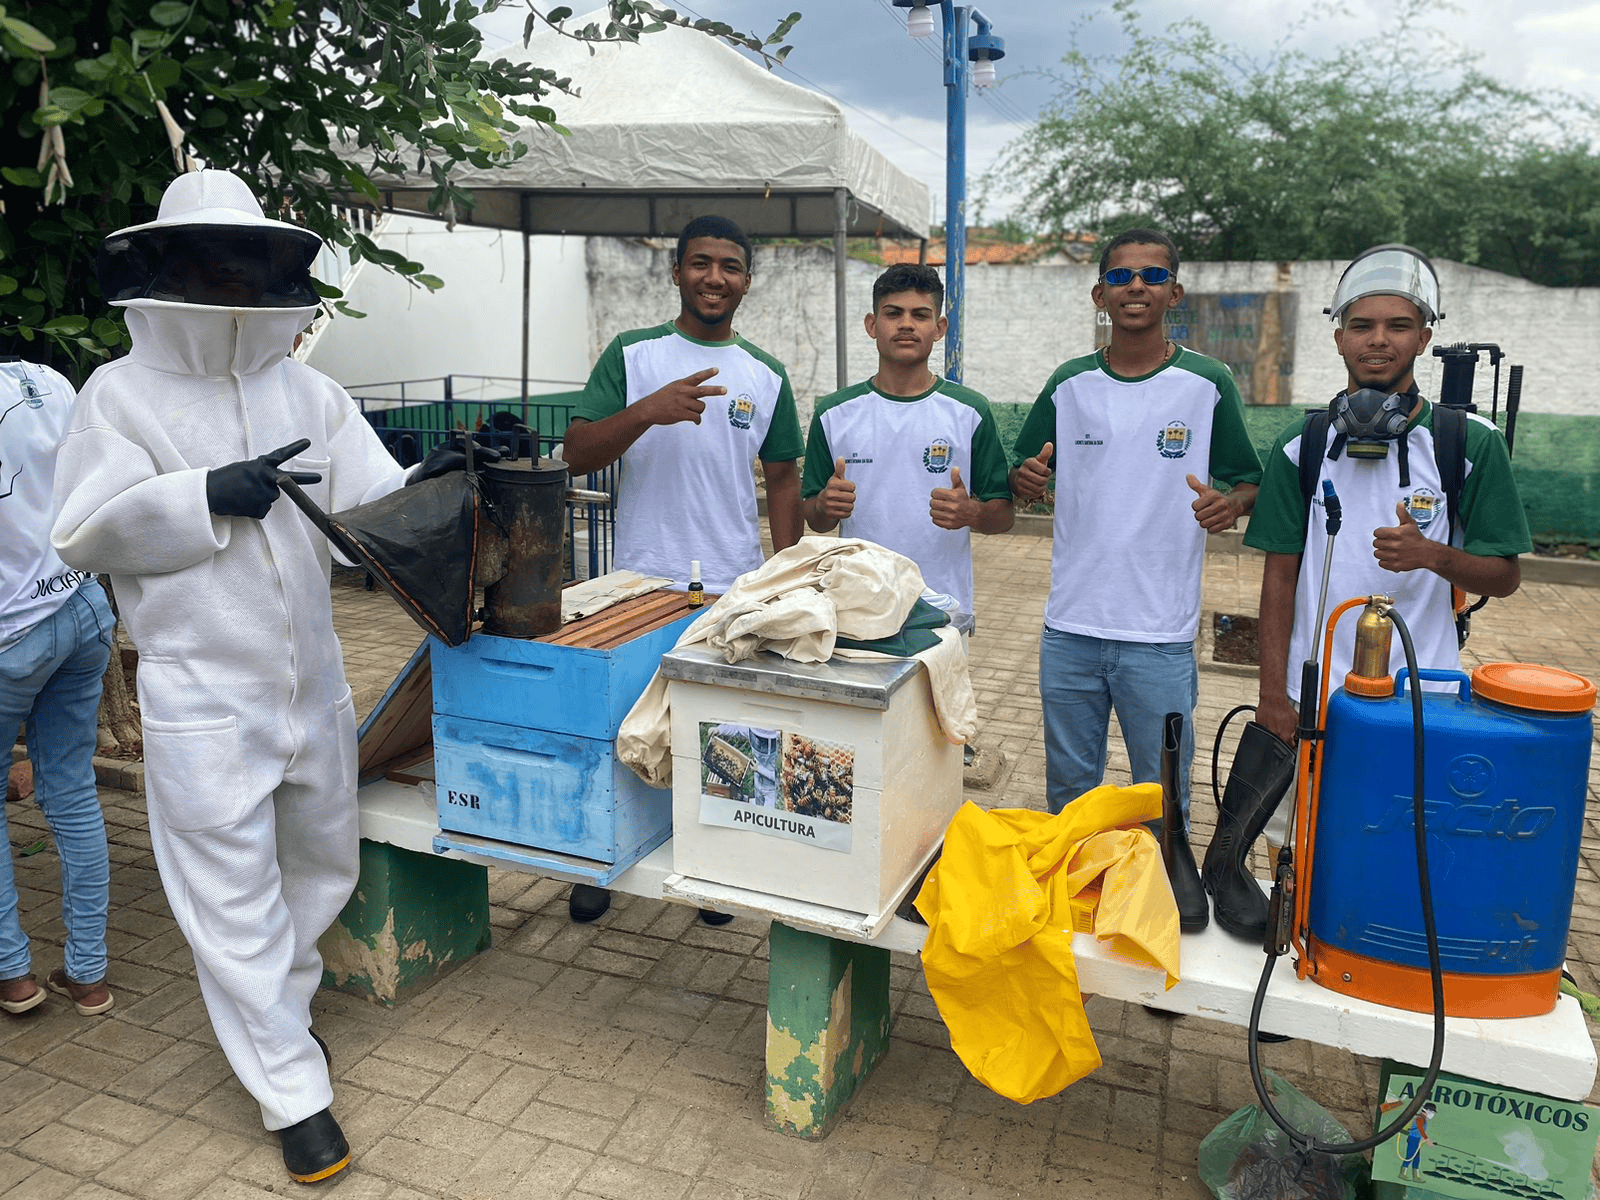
pixel 524 739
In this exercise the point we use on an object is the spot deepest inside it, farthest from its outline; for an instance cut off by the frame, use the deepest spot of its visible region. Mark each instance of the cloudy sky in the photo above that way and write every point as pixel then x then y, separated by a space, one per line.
pixel 891 88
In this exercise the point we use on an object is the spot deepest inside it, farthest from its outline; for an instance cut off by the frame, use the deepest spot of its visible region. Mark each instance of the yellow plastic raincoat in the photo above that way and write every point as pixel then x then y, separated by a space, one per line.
pixel 1000 910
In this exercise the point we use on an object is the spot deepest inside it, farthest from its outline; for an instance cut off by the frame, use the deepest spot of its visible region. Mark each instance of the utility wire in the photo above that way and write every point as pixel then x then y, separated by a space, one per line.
pixel 1003 105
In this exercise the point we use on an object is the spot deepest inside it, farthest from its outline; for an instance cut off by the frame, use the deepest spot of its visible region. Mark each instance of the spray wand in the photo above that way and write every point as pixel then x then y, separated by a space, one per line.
pixel 1280 908
pixel 1282 905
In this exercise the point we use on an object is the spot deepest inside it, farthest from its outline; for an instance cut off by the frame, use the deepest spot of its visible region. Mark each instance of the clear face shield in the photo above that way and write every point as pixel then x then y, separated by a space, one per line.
pixel 1365 421
pixel 228 266
pixel 1391 270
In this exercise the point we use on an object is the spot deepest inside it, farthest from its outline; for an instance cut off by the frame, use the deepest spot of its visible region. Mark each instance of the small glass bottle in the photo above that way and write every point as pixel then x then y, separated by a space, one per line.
pixel 697 591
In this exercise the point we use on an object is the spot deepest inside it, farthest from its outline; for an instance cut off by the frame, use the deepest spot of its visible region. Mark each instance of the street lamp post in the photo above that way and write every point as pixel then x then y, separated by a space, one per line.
pixel 967 56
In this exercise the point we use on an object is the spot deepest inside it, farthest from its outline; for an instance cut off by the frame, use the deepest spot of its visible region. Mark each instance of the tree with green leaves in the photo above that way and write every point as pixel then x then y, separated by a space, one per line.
pixel 308 103
pixel 1398 137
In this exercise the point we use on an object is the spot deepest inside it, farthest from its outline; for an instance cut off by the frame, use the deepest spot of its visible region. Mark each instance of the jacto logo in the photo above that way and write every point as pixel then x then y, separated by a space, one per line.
pixel 1508 819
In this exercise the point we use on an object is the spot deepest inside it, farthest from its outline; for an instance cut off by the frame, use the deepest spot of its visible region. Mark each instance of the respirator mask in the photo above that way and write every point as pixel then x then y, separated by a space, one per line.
pixel 1366 421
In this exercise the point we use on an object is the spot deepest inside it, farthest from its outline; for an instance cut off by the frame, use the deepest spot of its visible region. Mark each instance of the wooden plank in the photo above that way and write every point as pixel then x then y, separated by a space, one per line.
pixel 639 615
pixel 629 630
pixel 415 766
pixel 576 632
pixel 618 638
pixel 404 719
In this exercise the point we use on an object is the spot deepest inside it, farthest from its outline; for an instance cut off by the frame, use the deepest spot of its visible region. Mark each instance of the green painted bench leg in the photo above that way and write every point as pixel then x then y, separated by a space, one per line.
pixel 413 917
pixel 827 1025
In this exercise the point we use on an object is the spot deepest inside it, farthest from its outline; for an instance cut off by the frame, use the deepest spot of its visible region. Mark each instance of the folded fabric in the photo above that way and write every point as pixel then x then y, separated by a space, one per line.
pixel 600 593
pixel 1000 904
pixel 797 604
pixel 914 635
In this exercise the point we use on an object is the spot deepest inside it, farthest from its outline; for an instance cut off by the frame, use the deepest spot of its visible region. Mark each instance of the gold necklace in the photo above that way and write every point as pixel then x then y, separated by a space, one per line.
pixel 1166 353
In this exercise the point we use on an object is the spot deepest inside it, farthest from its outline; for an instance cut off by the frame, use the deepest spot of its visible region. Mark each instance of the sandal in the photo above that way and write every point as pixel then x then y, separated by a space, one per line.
pixel 15 996
pixel 90 999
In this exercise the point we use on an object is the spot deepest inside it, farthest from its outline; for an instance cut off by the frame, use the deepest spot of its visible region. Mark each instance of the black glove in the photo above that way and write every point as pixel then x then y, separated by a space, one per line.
pixel 450 456
pixel 248 488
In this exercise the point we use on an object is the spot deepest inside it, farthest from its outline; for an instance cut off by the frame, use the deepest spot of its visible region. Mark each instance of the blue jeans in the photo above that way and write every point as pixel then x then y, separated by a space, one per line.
pixel 51 680
pixel 1081 679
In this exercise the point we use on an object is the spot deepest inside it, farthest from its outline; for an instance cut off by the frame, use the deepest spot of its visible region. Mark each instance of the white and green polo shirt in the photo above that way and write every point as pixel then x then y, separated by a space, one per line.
pixel 1128 552
pixel 687 491
pixel 1494 525
pixel 897 449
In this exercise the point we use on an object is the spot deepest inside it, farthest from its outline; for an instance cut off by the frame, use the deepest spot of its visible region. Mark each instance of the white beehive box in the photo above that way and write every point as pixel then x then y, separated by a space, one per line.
pixel 827 784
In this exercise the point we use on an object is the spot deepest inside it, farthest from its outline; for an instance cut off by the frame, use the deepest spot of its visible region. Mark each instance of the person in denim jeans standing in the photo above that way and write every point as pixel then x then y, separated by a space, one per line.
pixel 1138 431
pixel 55 641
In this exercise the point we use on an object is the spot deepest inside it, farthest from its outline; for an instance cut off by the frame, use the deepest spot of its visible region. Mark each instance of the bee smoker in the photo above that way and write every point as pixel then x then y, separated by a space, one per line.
pixel 434 544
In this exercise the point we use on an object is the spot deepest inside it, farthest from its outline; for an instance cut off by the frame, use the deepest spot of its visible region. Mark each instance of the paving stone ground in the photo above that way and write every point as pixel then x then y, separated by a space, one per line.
pixel 624 1060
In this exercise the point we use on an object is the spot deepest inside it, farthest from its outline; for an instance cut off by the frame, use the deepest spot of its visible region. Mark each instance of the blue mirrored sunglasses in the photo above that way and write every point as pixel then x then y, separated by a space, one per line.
pixel 1118 276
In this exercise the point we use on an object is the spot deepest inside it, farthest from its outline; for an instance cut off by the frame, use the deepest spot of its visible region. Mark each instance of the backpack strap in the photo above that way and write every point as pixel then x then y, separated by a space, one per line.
pixel 1314 433
pixel 1450 452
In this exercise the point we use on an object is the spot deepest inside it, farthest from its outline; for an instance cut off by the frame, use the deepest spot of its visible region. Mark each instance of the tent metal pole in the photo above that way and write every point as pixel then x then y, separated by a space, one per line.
pixel 527 291
pixel 841 356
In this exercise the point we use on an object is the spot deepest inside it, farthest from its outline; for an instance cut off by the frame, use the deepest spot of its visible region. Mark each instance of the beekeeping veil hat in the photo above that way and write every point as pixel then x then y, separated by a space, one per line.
pixel 211 244
pixel 1389 270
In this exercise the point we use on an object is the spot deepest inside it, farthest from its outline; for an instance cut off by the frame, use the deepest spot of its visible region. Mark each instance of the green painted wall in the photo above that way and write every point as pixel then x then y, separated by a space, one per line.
pixel 1556 463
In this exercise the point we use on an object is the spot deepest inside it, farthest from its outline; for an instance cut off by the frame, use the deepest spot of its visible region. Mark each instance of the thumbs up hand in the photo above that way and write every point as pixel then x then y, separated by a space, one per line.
pixel 952 507
pixel 1031 476
pixel 838 499
pixel 1214 510
pixel 1403 547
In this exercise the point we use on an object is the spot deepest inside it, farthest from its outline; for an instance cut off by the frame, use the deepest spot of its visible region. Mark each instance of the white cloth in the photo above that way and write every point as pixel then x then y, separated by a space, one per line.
pixel 249 729
pixel 600 593
pixel 799 601
pixel 35 405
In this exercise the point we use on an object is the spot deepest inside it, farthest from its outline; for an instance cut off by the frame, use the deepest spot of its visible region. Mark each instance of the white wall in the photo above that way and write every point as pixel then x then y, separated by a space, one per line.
pixel 472 325
pixel 1022 321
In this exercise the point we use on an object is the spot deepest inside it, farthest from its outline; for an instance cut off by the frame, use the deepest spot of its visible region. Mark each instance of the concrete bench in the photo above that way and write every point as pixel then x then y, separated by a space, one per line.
pixel 828 995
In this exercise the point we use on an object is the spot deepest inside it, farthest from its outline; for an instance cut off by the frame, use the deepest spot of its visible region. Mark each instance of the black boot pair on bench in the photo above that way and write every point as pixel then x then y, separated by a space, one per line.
pixel 1263 769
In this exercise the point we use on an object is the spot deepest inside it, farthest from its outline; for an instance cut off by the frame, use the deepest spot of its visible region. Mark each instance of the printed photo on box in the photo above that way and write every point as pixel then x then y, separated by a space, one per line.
pixel 776 784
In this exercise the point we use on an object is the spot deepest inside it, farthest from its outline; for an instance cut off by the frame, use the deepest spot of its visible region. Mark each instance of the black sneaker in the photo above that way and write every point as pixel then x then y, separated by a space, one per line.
pixel 715 918
pixel 314 1149
pixel 588 903
pixel 327 1055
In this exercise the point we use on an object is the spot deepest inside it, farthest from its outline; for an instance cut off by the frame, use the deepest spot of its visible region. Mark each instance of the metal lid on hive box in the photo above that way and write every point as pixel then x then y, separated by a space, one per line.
pixel 420 543
pixel 861 684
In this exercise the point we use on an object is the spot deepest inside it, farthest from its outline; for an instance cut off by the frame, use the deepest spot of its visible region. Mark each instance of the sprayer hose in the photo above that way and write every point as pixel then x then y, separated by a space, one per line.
pixel 1430 928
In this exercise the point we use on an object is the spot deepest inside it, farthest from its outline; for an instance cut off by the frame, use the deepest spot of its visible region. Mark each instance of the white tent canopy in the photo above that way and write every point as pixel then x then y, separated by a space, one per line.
pixel 678 125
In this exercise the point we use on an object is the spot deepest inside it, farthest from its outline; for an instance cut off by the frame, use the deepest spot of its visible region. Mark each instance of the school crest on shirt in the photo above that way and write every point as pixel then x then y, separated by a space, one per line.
pixel 1424 505
pixel 1173 440
pixel 936 457
pixel 741 411
pixel 33 391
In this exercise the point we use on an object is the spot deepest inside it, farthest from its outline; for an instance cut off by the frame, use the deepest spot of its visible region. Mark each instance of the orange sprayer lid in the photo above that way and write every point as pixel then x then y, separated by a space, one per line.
pixel 1541 689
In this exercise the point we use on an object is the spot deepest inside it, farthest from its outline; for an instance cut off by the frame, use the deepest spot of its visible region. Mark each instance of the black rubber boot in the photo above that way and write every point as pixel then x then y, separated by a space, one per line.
pixel 587 903
pixel 1263 768
pixel 314 1149
pixel 1194 914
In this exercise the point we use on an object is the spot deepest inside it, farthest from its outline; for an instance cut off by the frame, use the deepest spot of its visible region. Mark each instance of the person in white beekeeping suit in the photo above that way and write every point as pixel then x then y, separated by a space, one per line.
pixel 166 481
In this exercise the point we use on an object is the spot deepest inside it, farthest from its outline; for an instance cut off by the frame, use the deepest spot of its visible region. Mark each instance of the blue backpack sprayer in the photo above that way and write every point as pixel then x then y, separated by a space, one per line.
pixel 1435 835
